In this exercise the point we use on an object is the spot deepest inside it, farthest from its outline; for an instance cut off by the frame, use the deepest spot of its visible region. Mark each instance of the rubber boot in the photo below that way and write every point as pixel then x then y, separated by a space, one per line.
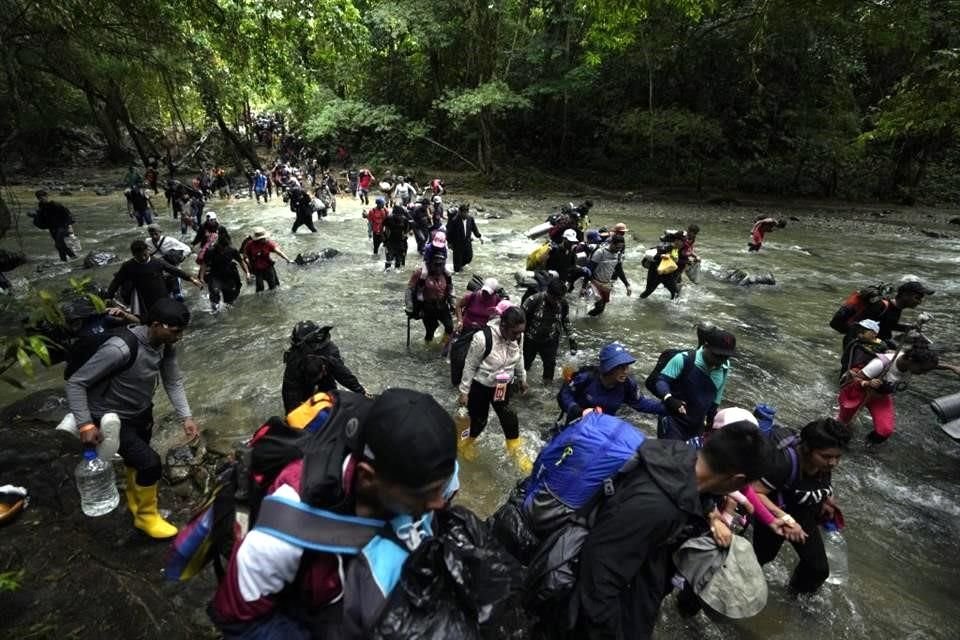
pixel 148 517
pixel 515 449
pixel 129 491
pixel 466 448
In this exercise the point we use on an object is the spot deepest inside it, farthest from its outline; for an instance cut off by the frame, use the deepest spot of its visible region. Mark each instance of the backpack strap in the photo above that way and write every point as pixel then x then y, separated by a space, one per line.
pixel 487 341
pixel 791 450
pixel 316 529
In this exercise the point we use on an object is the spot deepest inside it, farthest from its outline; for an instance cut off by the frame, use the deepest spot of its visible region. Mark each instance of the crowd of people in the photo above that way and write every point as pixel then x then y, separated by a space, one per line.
pixel 723 476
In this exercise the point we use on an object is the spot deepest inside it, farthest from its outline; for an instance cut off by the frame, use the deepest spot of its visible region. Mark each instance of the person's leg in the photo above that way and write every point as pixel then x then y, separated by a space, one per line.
pixel 850 399
pixel 752 247
pixel 136 452
pixel 377 241
pixel 548 353
pixel 148 216
pixel 478 407
pixel 509 421
pixel 884 417
pixel 273 280
pixel 259 277
pixel 766 543
pixel 457 260
pixel 446 320
pixel 529 353
pixel 430 323
pixel 231 290
pixel 309 223
pixel 813 569
pixel 296 225
pixel 213 287
pixel 653 281
pixel 672 283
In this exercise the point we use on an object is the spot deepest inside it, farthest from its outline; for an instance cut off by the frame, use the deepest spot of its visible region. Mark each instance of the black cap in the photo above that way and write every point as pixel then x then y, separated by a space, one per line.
pixel 169 311
pixel 410 438
pixel 720 342
pixel 915 286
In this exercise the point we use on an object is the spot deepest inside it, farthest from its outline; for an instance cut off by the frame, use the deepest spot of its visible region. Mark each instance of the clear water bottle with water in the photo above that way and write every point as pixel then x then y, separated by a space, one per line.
pixel 96 484
pixel 836 548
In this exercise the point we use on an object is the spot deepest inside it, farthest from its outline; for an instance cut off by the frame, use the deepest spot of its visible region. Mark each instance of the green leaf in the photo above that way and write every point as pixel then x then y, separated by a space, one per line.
pixel 23 359
pixel 40 349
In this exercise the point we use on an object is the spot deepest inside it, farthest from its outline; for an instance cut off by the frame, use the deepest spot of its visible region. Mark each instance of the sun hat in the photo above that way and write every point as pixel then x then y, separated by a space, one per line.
pixel 872 325
pixel 490 285
pixel 259 233
pixel 614 355
pixel 729 581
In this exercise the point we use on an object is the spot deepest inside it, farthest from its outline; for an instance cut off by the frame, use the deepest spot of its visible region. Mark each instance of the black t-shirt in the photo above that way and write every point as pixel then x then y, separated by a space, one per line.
pixel 138 200
pixel 222 262
pixel 805 492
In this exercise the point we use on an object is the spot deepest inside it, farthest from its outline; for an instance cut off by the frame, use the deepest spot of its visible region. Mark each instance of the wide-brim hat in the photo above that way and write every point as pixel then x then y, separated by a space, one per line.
pixel 259 233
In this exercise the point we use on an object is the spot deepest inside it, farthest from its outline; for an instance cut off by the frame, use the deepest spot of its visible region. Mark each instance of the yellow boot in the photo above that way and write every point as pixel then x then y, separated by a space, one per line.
pixel 515 449
pixel 466 449
pixel 129 492
pixel 147 518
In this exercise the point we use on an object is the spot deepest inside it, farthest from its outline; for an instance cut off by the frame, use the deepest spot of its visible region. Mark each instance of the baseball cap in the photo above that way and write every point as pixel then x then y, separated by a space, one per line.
pixel 169 311
pixel 915 286
pixel 620 228
pixel 490 285
pixel 613 355
pixel 872 325
pixel 729 581
pixel 502 306
pixel 154 227
pixel 211 215
pixel 410 438
pixel 731 415
pixel 570 235
pixel 720 342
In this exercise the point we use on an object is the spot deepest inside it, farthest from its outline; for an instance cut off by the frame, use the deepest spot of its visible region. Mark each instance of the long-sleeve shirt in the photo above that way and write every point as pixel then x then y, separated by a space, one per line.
pixel 146 278
pixel 605 265
pixel 587 390
pixel 98 387
pixel 546 319
pixel 505 355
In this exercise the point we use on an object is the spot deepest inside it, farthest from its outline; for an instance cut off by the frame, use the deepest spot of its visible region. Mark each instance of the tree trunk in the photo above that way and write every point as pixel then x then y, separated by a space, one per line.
pixel 116 150
pixel 242 151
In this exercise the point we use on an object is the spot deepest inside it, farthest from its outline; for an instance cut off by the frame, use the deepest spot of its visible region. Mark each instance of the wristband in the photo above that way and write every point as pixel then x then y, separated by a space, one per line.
pixel 787 519
pixel 87 427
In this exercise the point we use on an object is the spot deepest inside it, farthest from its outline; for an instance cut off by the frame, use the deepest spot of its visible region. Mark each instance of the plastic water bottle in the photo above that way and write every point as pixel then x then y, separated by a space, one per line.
pixel 836 548
pixel 462 423
pixel 95 482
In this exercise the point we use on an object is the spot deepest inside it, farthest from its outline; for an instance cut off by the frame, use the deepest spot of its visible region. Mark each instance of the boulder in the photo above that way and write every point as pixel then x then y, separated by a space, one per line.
pixel 10 260
pixel 745 279
pixel 311 257
pixel 933 234
pixel 99 259
pixel 954 221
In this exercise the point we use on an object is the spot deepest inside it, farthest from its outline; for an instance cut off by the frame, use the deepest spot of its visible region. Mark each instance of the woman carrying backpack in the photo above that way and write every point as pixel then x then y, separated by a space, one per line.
pixel 488 381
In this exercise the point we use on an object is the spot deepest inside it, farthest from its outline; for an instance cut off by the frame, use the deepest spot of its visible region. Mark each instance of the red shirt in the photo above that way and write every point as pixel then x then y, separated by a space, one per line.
pixel 365 179
pixel 376 216
pixel 258 253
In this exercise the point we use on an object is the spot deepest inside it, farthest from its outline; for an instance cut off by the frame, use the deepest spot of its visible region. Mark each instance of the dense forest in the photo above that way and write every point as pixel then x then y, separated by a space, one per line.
pixel 831 98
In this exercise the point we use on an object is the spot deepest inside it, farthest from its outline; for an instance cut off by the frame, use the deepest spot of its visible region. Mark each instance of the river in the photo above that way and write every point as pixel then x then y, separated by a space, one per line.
pixel 901 501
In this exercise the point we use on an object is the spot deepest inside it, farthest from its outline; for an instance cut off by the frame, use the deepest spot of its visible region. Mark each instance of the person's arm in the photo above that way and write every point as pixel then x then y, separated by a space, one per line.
pixel 567 397
pixel 239 259
pixel 180 273
pixel 111 355
pixel 474 230
pixel 341 373
pixel 621 542
pixel 280 253
pixel 635 399
pixel 618 274
pixel 472 362
pixel 949 367
pixel 667 376
pixel 117 281
pixel 173 384
pixel 460 306
pixel 202 276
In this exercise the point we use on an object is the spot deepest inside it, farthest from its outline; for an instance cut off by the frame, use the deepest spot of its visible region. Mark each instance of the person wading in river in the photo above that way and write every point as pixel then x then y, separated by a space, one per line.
pixel 122 380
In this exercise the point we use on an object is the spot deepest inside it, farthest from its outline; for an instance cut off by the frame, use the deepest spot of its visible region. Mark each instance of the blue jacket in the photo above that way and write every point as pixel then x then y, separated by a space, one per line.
pixel 586 390
pixel 701 389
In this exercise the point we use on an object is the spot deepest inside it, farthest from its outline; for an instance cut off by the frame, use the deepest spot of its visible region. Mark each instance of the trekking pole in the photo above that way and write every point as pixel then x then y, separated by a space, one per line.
pixel 408 333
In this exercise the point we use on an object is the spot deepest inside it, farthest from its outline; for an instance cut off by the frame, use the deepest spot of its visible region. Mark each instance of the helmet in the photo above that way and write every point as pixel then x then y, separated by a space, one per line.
pixel 381 202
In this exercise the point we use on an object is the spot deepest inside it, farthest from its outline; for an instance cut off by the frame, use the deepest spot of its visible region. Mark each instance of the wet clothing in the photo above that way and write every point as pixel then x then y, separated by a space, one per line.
pixel 460 233
pixel 586 390
pixel 759 232
pixel 141 206
pixel 301 204
pixel 479 308
pixel 261 264
pixel 546 320
pixel 858 353
pixel 311 369
pixel 481 376
pixel 563 259
pixel 803 499
pixel 56 218
pixel 395 228
pixel 376 218
pixel 98 387
pixel 145 279
pixel 432 296
pixel 605 266
pixel 222 276
pixel 626 562
pixel 879 402
pixel 670 281
pixel 405 192
pixel 701 389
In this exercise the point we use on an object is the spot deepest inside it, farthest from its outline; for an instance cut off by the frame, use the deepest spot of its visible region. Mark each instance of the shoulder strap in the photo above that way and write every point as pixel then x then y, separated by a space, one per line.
pixel 133 344
pixel 689 362
pixel 791 451
pixel 487 341
pixel 316 529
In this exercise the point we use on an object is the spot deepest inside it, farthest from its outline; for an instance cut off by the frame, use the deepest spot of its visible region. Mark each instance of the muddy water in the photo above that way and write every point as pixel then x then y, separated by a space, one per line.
pixel 902 502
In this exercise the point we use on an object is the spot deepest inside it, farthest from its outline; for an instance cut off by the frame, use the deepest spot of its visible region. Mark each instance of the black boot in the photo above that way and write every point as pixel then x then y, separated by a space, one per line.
pixel 873 438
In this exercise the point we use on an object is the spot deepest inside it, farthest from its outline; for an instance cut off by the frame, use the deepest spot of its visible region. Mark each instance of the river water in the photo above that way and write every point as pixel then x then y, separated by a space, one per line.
pixel 901 501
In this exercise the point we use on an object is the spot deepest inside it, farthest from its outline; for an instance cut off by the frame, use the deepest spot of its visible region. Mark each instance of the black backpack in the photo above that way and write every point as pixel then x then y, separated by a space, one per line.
pixel 82 349
pixel 460 347
pixel 689 360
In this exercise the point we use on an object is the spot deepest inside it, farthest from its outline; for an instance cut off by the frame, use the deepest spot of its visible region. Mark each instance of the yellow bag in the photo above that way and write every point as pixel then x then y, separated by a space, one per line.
pixel 538 257
pixel 303 416
pixel 667 265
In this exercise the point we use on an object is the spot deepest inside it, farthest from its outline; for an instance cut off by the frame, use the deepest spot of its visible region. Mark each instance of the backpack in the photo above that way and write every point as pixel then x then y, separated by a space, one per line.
pixel 82 349
pixel 571 477
pixel 538 257
pixel 323 431
pixel 460 347
pixel 855 306
pixel 689 360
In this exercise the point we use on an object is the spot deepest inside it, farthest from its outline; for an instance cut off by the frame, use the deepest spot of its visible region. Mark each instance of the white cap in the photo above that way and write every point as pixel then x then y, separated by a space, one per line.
pixel 872 325
pixel 570 235
pixel 210 216
pixel 731 415
pixel 490 285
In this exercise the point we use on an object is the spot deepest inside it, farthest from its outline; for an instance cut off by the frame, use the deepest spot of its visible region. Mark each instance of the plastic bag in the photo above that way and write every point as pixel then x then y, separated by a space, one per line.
pixel 452 584
pixel 553 572
pixel 667 265
pixel 510 527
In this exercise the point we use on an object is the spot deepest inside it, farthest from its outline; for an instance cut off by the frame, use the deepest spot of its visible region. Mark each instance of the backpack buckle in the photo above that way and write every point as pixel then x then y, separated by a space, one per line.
pixel 608 489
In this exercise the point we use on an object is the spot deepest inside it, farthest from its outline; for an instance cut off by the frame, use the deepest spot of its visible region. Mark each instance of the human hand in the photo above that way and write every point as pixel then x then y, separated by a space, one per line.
pixel 629 291
pixel 791 530
pixel 524 387
pixel 675 405
pixel 90 435
pixel 190 428
pixel 462 399
pixel 197 282
pixel 721 532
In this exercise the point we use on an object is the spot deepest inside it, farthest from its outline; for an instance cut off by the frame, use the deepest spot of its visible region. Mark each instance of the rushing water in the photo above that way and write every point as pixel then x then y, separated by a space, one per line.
pixel 902 501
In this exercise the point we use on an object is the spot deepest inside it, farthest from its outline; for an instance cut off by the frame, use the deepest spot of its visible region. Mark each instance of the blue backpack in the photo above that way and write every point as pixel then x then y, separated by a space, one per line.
pixel 575 466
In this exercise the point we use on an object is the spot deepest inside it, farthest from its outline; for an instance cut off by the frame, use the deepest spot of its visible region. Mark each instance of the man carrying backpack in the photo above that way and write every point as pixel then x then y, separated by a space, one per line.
pixel 120 377
pixel 393 461
pixel 606 264
pixel 796 487
pixel 691 385
pixel 143 279
pixel 625 564
pixel 312 364
pixel 257 251
pixel 871 304
pixel 548 315
pixel 57 219
pixel 609 387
